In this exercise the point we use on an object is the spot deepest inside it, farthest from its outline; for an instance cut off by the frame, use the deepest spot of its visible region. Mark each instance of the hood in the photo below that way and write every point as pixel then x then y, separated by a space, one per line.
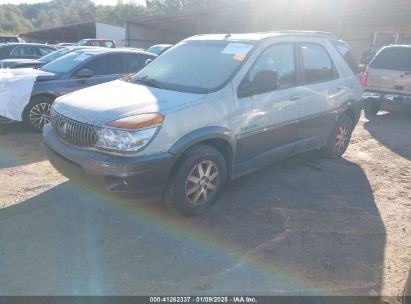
pixel 41 75
pixel 20 61
pixel 10 63
pixel 103 103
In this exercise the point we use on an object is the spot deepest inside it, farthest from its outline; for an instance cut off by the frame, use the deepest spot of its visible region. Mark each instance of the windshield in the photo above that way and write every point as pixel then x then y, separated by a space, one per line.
pixel 53 56
pixel 195 66
pixel 66 63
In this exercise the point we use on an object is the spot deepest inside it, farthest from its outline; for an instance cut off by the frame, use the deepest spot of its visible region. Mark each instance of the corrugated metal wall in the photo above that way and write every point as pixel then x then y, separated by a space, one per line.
pixel 353 20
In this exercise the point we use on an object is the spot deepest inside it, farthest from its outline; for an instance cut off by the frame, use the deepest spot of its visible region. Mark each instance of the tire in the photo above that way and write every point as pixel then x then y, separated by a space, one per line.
pixel 340 138
pixel 189 191
pixel 37 112
pixel 371 109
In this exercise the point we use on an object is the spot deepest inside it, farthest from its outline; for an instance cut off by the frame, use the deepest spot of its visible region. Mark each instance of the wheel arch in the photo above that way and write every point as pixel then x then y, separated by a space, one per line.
pixel 220 138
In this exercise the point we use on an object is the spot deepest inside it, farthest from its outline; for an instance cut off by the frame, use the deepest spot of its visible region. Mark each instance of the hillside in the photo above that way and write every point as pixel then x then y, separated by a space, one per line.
pixel 15 19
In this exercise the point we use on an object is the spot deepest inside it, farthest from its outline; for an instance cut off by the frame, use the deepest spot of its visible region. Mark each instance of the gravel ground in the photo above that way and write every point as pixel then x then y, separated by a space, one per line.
pixel 302 226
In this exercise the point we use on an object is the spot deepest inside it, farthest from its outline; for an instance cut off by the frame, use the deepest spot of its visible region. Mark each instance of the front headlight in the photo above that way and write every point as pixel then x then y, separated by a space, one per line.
pixel 129 134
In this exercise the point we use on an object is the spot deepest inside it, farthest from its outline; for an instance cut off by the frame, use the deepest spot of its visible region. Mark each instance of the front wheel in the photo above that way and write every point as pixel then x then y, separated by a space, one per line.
pixel 37 112
pixel 340 138
pixel 197 180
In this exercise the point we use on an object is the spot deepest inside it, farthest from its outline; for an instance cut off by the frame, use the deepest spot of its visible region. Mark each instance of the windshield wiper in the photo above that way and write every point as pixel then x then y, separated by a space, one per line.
pixel 149 81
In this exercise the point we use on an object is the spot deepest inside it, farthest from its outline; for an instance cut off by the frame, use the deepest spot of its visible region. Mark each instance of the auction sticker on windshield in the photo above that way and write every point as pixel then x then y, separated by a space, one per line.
pixel 237 49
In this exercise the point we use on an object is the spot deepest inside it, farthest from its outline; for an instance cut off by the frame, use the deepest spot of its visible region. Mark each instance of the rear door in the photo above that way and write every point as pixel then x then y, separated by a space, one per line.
pixel 390 71
pixel 321 90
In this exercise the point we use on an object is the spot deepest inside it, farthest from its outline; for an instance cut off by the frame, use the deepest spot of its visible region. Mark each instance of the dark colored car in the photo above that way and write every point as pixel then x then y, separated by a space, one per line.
pixel 77 70
pixel 108 43
pixel 159 49
pixel 37 63
pixel 25 50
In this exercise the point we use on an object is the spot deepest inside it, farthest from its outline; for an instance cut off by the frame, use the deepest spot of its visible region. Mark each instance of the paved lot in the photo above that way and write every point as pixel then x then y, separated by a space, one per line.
pixel 302 226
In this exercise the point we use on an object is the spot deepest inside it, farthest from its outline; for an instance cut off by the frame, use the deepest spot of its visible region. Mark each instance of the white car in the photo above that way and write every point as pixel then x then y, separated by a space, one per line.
pixel 212 108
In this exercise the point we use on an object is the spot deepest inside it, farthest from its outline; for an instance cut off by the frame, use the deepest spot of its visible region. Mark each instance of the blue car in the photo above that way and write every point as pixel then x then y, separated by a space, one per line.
pixel 77 70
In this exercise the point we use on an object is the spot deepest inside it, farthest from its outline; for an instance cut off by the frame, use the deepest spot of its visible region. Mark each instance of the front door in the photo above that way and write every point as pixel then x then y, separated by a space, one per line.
pixel 266 122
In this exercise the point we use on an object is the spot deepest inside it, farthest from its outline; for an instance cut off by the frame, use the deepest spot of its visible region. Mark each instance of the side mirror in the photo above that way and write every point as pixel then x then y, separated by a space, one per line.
pixel 265 81
pixel 84 73
pixel 148 61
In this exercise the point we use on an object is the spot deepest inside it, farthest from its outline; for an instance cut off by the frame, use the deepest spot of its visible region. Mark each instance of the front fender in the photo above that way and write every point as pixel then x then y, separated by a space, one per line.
pixel 202 134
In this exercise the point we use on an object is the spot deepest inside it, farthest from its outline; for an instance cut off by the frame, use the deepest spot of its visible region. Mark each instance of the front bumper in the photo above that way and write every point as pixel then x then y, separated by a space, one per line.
pixel 5 120
pixel 388 101
pixel 145 177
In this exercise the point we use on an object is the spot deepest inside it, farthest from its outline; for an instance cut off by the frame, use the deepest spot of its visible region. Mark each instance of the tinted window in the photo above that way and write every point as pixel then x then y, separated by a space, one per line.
pixel 134 62
pixel 393 58
pixel 279 58
pixel 197 66
pixel 318 66
pixel 24 51
pixel 106 64
pixel 345 51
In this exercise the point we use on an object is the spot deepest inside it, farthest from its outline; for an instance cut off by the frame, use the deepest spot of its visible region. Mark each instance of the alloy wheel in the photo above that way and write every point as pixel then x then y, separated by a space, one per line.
pixel 40 115
pixel 202 182
pixel 341 138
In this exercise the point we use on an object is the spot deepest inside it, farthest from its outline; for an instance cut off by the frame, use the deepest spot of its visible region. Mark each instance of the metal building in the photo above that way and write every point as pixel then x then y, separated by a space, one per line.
pixel 76 32
pixel 353 20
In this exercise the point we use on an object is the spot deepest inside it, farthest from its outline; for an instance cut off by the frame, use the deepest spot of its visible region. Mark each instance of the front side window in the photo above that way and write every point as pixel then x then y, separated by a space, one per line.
pixel 108 64
pixel 317 64
pixel 196 66
pixel 135 62
pixel 278 60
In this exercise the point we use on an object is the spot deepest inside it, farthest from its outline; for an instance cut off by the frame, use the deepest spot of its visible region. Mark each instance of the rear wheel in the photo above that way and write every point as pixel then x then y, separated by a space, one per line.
pixel 340 138
pixel 37 112
pixel 197 180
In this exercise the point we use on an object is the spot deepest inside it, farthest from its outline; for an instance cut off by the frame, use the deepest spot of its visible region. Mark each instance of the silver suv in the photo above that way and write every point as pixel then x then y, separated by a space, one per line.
pixel 211 109
pixel 388 80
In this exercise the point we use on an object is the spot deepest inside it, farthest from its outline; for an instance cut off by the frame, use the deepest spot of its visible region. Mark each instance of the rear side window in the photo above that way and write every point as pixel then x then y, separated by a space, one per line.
pixel 317 64
pixel 24 51
pixel 106 65
pixel 108 44
pixel 346 53
pixel 393 58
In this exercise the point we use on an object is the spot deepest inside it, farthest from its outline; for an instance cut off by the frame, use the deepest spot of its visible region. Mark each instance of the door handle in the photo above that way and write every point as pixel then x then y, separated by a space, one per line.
pixel 295 97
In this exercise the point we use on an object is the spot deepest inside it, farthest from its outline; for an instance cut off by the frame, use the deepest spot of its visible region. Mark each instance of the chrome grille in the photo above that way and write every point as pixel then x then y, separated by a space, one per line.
pixel 73 132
